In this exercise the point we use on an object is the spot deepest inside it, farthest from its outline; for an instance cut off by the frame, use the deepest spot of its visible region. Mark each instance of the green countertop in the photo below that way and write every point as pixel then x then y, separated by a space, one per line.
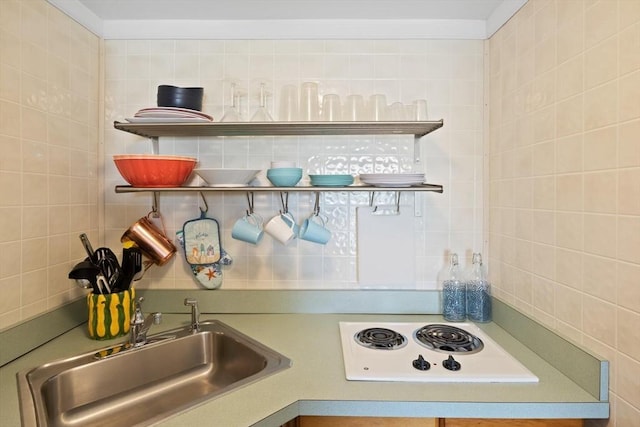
pixel 315 384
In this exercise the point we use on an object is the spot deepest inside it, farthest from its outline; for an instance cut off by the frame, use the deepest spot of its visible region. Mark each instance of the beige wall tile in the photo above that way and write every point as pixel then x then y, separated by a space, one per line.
pixel 569 268
pixel 601 22
pixel 570 230
pixel 629 103
pixel 629 49
pixel 569 116
pixel 600 149
pixel 569 306
pixel 628 379
pixel 600 235
pixel 629 145
pixel 544 230
pixel 9 259
pixel 629 191
pixel 590 286
pixel 629 333
pixel 601 63
pixel 570 192
pixel 48 69
pixel 600 277
pixel 627 286
pixel 599 320
pixel 570 41
pixel 544 193
pixel 600 192
pixel 569 154
pixel 629 238
pixel 601 106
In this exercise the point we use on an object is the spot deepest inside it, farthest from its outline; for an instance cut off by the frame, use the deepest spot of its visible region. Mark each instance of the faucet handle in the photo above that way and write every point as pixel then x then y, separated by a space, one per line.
pixel 195 313
pixel 157 318
pixel 137 303
pixel 138 317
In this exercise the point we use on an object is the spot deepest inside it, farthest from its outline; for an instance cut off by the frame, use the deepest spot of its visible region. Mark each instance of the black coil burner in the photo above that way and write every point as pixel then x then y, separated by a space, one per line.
pixel 448 339
pixel 381 339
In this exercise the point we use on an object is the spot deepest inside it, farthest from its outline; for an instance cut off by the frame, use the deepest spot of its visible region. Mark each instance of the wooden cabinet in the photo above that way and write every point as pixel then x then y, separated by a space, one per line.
pixel 317 421
pixel 309 421
pixel 467 422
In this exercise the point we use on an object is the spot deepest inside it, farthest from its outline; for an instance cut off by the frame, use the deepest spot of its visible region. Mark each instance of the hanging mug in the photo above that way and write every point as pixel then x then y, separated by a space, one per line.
pixel 313 229
pixel 151 240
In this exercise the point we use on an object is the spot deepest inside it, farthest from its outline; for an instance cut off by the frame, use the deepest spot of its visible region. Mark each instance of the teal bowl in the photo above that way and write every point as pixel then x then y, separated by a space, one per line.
pixel 282 178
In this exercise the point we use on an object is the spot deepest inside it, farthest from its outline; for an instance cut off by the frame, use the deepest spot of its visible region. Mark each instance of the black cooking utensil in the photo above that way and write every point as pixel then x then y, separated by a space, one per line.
pixel 108 263
pixel 128 268
pixel 87 245
pixel 85 271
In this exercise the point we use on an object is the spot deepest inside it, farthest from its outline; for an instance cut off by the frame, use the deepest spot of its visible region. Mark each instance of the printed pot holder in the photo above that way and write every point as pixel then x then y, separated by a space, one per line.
pixel 200 240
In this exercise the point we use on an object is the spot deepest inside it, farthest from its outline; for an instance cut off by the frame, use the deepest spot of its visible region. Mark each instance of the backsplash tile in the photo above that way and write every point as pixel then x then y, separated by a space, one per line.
pixel 449 74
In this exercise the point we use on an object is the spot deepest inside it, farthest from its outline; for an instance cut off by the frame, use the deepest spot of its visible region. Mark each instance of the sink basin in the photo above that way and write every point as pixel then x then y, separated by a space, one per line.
pixel 174 372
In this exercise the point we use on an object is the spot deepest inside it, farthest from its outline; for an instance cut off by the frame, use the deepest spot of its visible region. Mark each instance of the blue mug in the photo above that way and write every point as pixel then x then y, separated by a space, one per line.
pixel 248 229
pixel 313 230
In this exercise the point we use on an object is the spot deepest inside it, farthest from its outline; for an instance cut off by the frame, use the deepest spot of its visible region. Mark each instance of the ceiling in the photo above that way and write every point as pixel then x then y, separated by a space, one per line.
pixel 291 18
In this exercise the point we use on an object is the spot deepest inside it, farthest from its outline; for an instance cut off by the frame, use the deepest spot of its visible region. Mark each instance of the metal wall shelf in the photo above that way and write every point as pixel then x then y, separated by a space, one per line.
pixel 369 188
pixel 155 130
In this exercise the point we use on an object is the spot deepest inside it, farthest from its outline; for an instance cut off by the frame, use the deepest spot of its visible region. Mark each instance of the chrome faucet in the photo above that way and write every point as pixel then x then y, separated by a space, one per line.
pixel 195 314
pixel 140 326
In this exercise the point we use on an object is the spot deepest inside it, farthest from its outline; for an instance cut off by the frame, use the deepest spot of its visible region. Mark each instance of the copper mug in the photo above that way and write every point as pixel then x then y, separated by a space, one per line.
pixel 151 241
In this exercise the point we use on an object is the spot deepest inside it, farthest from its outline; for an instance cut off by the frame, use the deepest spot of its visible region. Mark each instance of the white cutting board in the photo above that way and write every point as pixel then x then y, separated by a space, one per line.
pixel 386 248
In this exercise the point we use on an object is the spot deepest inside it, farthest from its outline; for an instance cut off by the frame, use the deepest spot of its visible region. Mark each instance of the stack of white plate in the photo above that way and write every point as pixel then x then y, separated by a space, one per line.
pixel 392 179
pixel 331 180
pixel 169 115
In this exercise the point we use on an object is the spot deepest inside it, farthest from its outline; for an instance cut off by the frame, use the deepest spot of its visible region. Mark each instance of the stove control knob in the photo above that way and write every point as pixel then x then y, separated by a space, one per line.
pixel 421 364
pixel 451 364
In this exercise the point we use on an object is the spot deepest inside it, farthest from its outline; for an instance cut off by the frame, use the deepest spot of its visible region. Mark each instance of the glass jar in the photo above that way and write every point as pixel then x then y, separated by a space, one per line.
pixel 453 293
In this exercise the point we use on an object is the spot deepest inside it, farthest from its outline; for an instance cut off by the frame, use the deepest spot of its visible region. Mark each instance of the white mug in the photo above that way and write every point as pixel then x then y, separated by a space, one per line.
pixel 282 227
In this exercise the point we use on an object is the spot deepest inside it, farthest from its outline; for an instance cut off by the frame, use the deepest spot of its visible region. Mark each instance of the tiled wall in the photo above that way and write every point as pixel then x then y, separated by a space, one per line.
pixel 564 178
pixel 449 74
pixel 49 98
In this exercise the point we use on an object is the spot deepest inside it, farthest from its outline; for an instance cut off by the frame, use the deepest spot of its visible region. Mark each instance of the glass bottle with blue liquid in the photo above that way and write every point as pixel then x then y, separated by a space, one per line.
pixel 478 292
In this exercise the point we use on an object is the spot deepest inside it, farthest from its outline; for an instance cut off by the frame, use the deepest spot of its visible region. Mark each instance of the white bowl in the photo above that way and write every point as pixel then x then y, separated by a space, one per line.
pixel 227 177
pixel 277 164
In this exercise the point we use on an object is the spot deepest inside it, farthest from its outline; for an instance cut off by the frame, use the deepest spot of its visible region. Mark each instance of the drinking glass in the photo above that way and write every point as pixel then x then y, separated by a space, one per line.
pixel 354 109
pixel 331 108
pixel 232 114
pixel 309 107
pixel 420 110
pixel 261 114
pixel 378 107
pixel 288 104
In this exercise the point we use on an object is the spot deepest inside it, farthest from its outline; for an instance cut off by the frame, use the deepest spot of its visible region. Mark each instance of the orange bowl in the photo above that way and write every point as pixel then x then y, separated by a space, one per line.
pixel 153 171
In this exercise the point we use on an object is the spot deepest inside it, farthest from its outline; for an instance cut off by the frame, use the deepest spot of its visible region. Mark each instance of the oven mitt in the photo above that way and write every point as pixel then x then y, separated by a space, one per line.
pixel 200 240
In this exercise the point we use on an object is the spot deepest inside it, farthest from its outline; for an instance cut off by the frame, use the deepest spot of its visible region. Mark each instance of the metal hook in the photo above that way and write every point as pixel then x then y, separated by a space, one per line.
pixel 285 202
pixel 250 202
pixel 155 203
pixel 206 205
pixel 397 201
pixel 316 205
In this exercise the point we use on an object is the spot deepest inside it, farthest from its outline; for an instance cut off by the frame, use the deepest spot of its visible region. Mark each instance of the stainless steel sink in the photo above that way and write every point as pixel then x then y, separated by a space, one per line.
pixel 177 370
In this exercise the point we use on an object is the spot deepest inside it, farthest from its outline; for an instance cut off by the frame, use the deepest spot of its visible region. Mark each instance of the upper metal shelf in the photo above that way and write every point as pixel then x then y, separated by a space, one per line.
pixel 155 130
pixel 436 188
